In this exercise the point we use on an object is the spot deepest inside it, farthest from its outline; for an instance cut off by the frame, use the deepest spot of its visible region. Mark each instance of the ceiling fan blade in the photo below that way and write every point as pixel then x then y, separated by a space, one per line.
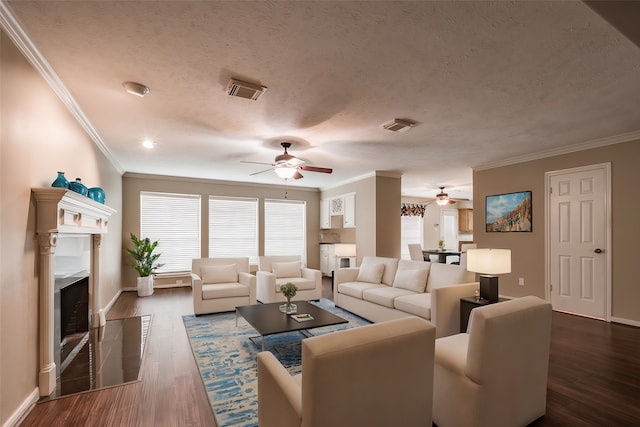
pixel 257 173
pixel 315 169
pixel 257 163
pixel 297 175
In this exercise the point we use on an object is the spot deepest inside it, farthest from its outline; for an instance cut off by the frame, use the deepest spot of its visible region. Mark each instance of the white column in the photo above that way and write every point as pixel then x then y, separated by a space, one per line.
pixel 96 311
pixel 47 375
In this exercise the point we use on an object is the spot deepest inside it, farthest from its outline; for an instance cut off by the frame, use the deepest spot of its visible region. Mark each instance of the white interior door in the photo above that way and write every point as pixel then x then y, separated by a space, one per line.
pixel 449 228
pixel 578 240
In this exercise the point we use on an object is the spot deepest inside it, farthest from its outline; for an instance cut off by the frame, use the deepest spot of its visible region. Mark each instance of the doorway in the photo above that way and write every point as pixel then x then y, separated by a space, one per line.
pixel 578 231
pixel 449 228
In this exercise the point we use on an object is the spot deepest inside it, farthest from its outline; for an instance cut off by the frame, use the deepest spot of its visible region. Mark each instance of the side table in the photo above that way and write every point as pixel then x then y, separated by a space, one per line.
pixel 469 303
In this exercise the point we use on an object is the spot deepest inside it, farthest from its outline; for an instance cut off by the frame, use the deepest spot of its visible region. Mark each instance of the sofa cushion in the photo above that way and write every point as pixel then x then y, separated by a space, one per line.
pixel 212 274
pixel 370 273
pixel 416 304
pixel 301 283
pixel 224 290
pixel 355 289
pixel 384 296
pixel 286 269
pixel 448 274
pixel 412 280
pixel 390 267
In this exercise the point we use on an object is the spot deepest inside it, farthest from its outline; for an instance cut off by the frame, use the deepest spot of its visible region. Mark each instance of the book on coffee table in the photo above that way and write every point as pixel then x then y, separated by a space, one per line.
pixel 303 317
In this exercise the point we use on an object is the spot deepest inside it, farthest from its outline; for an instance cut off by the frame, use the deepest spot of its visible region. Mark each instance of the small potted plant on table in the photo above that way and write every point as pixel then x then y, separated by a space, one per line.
pixel 289 291
pixel 144 262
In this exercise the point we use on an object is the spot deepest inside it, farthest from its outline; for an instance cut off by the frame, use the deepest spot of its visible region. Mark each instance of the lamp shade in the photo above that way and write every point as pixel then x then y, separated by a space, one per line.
pixel 489 261
pixel 345 250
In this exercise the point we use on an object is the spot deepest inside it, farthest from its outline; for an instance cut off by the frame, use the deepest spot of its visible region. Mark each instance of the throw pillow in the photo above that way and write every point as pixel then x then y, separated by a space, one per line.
pixel 370 273
pixel 212 274
pixel 411 280
pixel 286 269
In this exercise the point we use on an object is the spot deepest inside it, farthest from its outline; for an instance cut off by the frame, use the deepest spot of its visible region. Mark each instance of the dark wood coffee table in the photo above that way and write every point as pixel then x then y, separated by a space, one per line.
pixel 267 319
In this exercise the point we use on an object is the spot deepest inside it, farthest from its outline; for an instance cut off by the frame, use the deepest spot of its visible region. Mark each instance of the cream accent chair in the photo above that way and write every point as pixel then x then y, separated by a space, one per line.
pixel 221 284
pixel 496 374
pixel 377 375
pixel 274 271
pixel 415 252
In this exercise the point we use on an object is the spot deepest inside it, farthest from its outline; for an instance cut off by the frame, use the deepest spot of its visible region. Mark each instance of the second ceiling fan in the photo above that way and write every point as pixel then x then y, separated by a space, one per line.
pixel 288 166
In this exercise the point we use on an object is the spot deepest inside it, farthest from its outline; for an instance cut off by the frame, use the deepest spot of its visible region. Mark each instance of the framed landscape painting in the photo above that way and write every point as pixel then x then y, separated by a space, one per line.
pixel 508 212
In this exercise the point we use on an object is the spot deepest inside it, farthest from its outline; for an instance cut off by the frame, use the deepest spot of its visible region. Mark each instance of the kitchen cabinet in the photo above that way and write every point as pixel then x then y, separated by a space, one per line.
pixel 465 220
pixel 349 216
pixel 325 216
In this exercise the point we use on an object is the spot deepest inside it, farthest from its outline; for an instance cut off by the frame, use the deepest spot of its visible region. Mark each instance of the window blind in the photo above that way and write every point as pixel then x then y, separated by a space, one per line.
pixel 410 232
pixel 285 228
pixel 174 221
pixel 233 227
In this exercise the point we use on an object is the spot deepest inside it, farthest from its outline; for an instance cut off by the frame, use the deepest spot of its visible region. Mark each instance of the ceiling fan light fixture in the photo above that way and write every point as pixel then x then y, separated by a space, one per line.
pixel 398 125
pixel 442 198
pixel 135 88
pixel 285 172
pixel 245 89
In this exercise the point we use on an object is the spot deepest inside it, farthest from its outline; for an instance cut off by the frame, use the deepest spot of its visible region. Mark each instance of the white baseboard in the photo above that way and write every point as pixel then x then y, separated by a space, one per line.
pixel 24 409
pixel 625 321
pixel 113 301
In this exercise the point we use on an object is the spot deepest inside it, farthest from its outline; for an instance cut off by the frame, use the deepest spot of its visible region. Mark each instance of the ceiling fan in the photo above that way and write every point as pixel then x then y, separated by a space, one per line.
pixel 442 198
pixel 288 166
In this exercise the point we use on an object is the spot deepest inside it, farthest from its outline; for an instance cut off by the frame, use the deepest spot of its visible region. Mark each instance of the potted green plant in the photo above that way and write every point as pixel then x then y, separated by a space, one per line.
pixel 289 290
pixel 441 244
pixel 144 262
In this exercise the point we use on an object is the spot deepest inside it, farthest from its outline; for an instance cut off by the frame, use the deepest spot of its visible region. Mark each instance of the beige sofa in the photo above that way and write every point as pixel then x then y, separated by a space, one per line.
pixel 274 271
pixel 495 375
pixel 221 284
pixel 375 376
pixel 386 288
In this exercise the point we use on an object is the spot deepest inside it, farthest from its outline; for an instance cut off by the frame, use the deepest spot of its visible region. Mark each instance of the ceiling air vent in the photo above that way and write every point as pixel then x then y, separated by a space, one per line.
pixel 397 125
pixel 244 89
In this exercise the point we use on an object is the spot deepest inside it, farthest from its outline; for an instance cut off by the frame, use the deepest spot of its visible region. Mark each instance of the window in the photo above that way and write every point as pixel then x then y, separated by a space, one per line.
pixel 410 232
pixel 174 221
pixel 285 228
pixel 233 227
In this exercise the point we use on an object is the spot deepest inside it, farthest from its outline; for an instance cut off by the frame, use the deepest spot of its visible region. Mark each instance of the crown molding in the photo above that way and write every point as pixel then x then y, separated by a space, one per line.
pixel 16 33
pixel 372 174
pixel 596 143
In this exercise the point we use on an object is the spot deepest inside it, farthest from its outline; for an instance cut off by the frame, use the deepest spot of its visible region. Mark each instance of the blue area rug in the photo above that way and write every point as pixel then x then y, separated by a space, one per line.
pixel 227 360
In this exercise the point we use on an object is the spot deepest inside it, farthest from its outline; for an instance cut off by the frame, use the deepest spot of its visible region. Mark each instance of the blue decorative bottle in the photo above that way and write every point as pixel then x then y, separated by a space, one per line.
pixel 97 194
pixel 78 187
pixel 60 181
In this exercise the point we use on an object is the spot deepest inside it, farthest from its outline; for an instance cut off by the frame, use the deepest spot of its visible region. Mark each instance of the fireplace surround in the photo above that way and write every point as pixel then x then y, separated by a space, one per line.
pixel 58 212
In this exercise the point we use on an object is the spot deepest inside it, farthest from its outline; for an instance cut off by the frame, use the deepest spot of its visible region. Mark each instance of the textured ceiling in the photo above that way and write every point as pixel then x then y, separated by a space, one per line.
pixel 484 81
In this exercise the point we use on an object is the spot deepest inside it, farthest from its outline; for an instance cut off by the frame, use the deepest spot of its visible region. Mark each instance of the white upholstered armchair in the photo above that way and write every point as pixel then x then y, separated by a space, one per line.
pixel 378 375
pixel 496 374
pixel 274 271
pixel 221 284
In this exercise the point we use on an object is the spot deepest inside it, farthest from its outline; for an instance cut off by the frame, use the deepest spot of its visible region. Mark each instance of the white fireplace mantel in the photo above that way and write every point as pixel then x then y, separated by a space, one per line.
pixel 62 211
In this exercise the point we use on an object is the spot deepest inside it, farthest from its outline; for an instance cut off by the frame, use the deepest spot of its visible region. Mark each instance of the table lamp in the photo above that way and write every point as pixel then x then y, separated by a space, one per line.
pixel 345 251
pixel 489 263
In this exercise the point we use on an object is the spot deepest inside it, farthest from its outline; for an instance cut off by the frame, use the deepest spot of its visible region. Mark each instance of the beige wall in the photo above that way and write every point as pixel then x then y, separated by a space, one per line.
pixel 528 248
pixel 38 138
pixel 133 184
pixel 377 229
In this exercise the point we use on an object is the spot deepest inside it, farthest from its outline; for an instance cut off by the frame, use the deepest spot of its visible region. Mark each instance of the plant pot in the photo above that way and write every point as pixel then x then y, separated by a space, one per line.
pixel 145 286
pixel 288 308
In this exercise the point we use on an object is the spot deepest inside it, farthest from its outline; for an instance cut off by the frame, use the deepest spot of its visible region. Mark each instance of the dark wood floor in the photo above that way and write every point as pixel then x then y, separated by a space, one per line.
pixel 594 375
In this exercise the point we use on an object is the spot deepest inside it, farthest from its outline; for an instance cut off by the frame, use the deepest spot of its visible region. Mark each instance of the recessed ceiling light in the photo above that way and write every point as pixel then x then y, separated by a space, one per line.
pixel 147 143
pixel 137 89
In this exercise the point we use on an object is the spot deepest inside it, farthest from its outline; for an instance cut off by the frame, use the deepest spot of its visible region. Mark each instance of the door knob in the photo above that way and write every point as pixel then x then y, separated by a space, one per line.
pixel 598 251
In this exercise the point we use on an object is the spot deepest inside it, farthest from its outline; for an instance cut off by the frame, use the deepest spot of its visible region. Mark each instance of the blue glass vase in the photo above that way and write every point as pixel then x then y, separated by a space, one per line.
pixel 60 181
pixel 97 194
pixel 78 187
